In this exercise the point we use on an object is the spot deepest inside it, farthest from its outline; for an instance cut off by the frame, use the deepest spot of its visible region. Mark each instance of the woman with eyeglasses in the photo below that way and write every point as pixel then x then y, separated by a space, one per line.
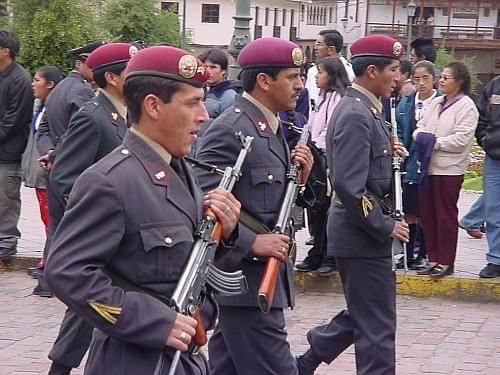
pixel 443 139
pixel 409 111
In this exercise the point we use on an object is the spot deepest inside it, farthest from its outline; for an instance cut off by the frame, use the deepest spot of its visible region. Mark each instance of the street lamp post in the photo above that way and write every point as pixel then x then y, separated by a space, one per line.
pixel 411 7
pixel 241 35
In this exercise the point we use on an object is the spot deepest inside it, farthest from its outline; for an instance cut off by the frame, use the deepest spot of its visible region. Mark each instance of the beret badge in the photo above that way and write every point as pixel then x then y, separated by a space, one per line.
pixel 397 49
pixel 132 50
pixel 188 66
pixel 297 56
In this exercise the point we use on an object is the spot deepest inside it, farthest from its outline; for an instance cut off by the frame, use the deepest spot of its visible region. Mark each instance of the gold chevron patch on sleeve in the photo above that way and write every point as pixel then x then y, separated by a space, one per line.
pixel 366 205
pixel 107 312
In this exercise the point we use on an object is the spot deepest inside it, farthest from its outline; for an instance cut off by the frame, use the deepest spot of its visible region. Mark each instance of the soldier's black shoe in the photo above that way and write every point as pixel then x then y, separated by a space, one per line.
pixel 490 271
pixel 305 267
pixel 307 363
pixel 327 270
pixel 42 289
pixel 59 369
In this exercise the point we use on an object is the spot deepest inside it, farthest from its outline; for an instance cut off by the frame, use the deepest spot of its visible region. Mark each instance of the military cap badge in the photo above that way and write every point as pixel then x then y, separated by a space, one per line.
pixel 188 66
pixel 297 56
pixel 397 49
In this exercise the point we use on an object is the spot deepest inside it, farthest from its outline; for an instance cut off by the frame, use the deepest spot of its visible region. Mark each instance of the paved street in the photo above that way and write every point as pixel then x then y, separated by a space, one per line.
pixel 434 335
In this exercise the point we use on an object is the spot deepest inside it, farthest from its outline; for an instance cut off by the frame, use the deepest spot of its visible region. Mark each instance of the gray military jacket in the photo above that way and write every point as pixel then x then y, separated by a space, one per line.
pixel 260 190
pixel 93 132
pixel 132 214
pixel 359 158
pixel 66 98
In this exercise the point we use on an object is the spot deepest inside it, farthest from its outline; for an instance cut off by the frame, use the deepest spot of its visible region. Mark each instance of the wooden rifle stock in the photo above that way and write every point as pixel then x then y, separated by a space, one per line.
pixel 268 283
pixel 270 275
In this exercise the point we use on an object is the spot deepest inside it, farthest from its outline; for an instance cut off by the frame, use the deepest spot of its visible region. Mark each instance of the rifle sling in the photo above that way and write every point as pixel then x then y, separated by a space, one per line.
pixel 252 223
pixel 128 286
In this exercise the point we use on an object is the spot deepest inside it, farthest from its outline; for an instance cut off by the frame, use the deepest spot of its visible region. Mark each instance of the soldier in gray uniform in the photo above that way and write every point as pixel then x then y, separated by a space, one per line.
pixel 246 340
pixel 132 215
pixel 94 131
pixel 359 231
pixel 60 105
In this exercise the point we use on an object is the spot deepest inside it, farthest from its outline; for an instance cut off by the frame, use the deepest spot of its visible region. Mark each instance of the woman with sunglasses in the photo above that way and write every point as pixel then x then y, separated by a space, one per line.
pixel 447 129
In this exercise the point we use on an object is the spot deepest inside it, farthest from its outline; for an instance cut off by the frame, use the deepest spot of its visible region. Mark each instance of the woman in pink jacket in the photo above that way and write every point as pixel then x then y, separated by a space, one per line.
pixel 450 121
pixel 332 81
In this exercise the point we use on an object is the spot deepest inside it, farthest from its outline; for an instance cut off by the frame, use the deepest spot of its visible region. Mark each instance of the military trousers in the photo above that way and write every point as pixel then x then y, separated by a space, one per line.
pixel 247 341
pixel 369 322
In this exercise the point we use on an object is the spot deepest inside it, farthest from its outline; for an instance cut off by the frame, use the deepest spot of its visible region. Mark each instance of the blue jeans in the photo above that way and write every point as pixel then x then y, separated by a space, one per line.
pixel 492 205
pixel 476 216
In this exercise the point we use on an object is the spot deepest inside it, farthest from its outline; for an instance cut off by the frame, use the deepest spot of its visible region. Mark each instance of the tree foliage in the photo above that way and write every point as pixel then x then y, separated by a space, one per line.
pixel 128 20
pixel 48 29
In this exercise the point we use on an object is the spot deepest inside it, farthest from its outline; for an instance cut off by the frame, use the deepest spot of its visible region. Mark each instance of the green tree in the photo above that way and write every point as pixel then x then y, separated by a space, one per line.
pixel 4 13
pixel 48 29
pixel 444 57
pixel 128 20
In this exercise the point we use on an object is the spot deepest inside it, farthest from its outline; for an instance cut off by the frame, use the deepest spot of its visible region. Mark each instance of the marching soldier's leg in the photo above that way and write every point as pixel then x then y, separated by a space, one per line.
pixel 72 342
pixel 371 300
pixel 218 354
pixel 259 346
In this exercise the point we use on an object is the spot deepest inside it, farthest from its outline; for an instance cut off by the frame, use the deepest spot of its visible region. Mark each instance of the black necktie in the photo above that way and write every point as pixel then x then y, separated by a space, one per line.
pixel 177 167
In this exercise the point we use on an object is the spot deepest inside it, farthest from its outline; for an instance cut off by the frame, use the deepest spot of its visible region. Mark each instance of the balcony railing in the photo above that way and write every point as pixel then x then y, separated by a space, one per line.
pixel 435 31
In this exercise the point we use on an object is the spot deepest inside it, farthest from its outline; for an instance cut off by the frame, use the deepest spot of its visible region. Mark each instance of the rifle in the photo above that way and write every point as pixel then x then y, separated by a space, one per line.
pixel 398 246
pixel 200 270
pixel 270 275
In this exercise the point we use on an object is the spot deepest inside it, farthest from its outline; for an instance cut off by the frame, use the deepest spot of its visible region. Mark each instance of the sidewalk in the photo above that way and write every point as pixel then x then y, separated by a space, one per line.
pixel 464 284
pixel 435 336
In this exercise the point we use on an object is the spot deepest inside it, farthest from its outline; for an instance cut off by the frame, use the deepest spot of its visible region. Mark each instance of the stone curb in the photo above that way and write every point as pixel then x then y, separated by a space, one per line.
pixel 454 287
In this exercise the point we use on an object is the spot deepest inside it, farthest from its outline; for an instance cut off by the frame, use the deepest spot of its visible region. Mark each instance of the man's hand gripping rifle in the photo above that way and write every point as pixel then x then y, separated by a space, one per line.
pixel 271 271
pixel 200 269
pixel 398 247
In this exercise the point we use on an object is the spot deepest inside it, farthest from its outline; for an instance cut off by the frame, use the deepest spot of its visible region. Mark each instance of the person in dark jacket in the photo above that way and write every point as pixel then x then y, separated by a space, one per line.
pixel 133 215
pixel 94 131
pixel 16 109
pixel 488 137
pixel 360 233
pixel 246 340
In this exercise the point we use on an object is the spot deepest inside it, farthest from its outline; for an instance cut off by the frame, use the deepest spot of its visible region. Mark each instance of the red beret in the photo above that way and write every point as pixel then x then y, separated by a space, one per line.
pixel 377 45
pixel 111 54
pixel 168 62
pixel 271 52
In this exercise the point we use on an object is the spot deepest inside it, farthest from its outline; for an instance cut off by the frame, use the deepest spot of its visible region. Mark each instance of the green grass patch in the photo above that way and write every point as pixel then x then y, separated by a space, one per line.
pixel 473 184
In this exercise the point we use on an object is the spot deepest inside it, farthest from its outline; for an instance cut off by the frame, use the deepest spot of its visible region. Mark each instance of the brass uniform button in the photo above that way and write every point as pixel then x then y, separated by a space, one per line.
pixel 169 240
pixel 125 151
pixel 270 177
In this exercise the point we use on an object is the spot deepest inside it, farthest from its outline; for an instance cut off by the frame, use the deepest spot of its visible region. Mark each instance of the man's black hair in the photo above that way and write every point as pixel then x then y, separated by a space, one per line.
pixel 359 64
pixel 137 88
pixel 9 40
pixel 333 38
pixel 99 73
pixel 216 56
pixel 424 49
pixel 248 77
pixel 405 67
